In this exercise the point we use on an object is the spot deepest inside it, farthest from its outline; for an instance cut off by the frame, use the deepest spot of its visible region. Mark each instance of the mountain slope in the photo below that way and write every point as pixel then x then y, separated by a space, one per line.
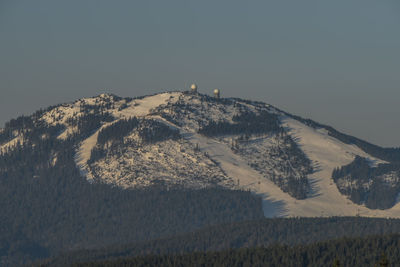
pixel 197 141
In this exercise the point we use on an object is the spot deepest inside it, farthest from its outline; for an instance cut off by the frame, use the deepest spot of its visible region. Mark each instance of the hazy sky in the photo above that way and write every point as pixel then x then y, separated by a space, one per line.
pixel 336 61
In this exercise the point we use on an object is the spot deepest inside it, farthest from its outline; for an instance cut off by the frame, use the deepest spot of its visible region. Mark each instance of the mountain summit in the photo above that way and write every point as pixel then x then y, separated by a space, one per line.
pixel 190 140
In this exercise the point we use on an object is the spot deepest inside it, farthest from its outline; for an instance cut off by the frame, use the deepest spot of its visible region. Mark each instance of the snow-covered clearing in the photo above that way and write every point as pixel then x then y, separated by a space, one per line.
pixel 142 107
pixel 83 154
pixel 67 132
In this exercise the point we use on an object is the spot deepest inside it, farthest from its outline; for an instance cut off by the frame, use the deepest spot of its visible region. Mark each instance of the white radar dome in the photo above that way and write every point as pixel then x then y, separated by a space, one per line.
pixel 216 93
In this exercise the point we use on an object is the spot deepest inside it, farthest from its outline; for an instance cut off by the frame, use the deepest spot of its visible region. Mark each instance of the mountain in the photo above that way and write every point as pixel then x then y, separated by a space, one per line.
pixel 194 141
pixel 106 171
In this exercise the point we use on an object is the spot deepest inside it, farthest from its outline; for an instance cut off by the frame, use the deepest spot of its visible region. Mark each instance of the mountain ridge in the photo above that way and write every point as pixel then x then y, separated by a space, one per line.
pixel 228 142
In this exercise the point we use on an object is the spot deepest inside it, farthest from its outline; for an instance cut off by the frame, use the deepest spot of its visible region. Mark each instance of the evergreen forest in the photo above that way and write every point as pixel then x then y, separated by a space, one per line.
pixel 380 251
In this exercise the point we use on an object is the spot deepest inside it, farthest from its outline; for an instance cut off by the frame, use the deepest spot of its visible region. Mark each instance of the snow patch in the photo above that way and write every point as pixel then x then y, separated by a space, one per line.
pixel 11 144
pixel 84 152
pixel 143 107
pixel 67 132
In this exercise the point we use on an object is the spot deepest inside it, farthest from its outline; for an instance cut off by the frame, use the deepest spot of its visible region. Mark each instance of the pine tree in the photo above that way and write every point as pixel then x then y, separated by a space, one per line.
pixel 383 261
pixel 336 263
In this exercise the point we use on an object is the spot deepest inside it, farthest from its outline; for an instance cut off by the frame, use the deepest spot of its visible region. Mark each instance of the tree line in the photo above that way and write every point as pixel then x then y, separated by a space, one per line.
pixel 257 233
pixel 382 251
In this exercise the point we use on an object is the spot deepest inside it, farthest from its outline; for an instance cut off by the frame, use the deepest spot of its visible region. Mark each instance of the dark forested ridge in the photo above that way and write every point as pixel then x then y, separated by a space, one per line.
pixel 111 139
pixel 60 211
pixel 376 187
pixel 265 232
pixel 247 123
pixel 117 131
pixel 379 251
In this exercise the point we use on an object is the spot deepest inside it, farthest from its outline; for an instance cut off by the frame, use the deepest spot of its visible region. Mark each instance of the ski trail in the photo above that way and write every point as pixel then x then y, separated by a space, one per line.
pixel 242 174
pixel 327 153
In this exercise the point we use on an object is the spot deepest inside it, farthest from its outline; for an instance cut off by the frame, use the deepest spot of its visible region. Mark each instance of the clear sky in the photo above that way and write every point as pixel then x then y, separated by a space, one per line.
pixel 336 61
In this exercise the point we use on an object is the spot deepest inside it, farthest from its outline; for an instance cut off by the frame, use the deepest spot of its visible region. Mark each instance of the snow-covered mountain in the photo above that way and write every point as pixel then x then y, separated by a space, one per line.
pixel 187 139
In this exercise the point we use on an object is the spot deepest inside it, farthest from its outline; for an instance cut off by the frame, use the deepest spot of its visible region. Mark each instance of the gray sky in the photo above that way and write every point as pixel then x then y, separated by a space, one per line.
pixel 336 62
